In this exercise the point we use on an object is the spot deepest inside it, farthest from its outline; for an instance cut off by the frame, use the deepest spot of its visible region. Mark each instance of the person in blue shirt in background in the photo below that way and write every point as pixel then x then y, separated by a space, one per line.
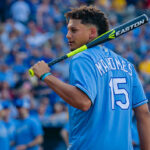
pixel 65 133
pixel 29 134
pixel 9 123
pixel 104 88
pixel 4 139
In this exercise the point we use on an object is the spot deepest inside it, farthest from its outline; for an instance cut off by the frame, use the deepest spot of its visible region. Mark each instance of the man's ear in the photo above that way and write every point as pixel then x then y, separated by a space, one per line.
pixel 93 33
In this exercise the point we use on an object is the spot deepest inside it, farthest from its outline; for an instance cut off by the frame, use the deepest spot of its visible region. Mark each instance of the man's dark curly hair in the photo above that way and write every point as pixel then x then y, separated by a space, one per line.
pixel 90 15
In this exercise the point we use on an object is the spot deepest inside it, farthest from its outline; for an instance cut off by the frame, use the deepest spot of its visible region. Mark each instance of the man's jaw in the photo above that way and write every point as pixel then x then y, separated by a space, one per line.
pixel 73 46
pixel 71 43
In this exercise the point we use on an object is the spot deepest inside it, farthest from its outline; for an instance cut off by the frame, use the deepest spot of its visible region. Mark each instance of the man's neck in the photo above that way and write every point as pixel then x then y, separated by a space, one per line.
pixel 24 116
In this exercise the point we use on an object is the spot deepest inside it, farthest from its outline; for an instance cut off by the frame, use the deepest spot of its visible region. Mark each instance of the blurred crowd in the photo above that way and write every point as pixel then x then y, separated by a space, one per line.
pixel 33 30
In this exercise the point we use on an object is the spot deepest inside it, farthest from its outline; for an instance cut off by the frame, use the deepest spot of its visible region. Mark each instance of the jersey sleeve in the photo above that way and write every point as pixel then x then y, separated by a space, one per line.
pixel 82 75
pixel 139 97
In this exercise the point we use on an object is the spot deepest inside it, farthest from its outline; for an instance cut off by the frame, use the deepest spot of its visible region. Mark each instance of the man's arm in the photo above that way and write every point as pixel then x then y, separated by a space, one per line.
pixel 71 94
pixel 143 123
pixel 38 140
pixel 65 136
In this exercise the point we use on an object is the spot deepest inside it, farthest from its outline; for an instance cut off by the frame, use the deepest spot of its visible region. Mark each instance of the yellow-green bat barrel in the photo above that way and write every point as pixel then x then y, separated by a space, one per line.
pixel 78 50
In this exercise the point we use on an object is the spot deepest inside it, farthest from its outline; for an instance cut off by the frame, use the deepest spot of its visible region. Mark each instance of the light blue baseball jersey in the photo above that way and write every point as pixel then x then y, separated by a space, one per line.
pixel 4 139
pixel 26 131
pixel 10 126
pixel 113 87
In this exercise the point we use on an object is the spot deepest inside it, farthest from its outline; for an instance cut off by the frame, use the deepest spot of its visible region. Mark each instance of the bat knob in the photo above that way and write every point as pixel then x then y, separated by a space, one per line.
pixel 31 72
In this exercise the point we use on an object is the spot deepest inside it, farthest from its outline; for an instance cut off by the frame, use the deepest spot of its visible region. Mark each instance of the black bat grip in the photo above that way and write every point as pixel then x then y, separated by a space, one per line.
pixel 57 60
pixel 31 72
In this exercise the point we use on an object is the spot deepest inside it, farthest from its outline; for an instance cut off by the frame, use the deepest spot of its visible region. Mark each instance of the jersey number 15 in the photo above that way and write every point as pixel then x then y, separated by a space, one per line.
pixel 115 90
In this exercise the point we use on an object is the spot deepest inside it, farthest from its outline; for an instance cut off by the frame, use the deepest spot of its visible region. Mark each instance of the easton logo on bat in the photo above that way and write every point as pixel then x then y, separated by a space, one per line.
pixel 131 27
pixel 112 35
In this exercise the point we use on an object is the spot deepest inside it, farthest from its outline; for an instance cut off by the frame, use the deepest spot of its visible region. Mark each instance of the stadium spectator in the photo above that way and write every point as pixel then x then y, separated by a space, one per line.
pixel 42 115
pixel 9 123
pixel 5 92
pixel 43 12
pixel 119 5
pixel 20 11
pixel 35 38
pixel 4 138
pixel 65 133
pixel 28 130
pixel 44 111
pixel 59 117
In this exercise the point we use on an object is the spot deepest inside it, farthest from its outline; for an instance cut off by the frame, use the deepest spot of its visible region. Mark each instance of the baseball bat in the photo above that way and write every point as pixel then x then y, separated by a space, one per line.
pixel 107 36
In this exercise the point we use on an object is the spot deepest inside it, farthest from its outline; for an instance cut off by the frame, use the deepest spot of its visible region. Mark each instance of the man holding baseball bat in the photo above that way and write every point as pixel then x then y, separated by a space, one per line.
pixel 103 89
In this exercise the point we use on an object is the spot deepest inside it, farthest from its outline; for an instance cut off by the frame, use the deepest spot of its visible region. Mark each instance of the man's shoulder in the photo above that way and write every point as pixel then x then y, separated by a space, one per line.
pixel 32 119
pixel 125 60
pixel 80 56
pixel 118 56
